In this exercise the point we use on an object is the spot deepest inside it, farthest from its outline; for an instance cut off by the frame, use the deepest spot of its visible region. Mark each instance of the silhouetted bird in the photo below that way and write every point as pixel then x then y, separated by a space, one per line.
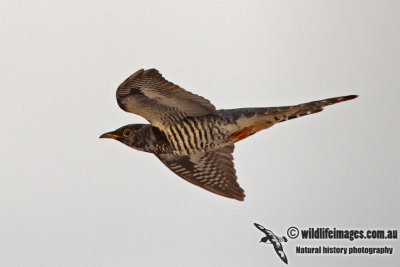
pixel 189 135
pixel 274 240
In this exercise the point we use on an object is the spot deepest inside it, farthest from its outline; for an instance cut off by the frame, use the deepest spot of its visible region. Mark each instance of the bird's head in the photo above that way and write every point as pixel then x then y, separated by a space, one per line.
pixel 129 135
pixel 264 239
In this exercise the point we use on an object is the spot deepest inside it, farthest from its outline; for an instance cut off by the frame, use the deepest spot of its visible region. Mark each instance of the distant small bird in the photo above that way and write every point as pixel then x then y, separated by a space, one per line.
pixel 189 135
pixel 274 240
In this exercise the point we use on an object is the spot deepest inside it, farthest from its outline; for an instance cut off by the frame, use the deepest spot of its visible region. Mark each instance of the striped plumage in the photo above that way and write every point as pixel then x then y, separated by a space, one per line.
pixel 189 135
pixel 196 134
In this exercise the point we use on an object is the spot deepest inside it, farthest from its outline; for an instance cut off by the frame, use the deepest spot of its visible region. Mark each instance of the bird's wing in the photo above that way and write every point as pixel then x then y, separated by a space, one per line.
pixel 262 229
pixel 213 171
pixel 279 250
pixel 148 94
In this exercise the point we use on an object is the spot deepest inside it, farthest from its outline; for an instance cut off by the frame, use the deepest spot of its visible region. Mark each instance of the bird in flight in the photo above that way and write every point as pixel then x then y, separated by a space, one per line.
pixel 189 135
pixel 274 240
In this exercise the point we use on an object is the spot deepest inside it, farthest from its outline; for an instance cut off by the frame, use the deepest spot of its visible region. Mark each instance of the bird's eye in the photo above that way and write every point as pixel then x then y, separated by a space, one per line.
pixel 127 132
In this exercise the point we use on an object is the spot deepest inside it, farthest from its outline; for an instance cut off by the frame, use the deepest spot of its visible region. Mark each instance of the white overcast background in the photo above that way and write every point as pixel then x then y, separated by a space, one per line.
pixel 68 198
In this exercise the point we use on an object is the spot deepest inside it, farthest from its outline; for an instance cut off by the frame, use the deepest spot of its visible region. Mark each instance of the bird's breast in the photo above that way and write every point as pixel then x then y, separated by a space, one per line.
pixel 196 134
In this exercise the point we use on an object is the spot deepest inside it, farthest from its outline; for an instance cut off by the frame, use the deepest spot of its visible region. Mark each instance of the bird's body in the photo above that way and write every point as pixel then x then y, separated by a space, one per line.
pixel 271 238
pixel 198 134
pixel 189 135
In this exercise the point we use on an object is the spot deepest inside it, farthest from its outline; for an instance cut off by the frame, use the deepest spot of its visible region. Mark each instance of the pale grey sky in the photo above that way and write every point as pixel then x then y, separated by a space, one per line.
pixel 70 199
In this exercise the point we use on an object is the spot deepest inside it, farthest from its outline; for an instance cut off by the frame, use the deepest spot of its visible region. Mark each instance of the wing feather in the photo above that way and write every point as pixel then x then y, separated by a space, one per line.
pixel 279 250
pixel 260 227
pixel 213 171
pixel 148 94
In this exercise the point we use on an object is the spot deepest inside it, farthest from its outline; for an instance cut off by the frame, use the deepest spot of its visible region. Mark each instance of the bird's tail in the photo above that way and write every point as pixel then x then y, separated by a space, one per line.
pixel 283 239
pixel 280 114
pixel 252 120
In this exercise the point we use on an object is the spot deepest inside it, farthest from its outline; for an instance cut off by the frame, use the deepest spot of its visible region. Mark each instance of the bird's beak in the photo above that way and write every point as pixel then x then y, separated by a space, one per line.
pixel 110 135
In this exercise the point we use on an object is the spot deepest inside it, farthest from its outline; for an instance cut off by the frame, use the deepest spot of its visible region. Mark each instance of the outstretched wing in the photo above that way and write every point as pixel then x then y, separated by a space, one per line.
pixel 261 228
pixel 213 171
pixel 148 94
pixel 266 231
pixel 279 250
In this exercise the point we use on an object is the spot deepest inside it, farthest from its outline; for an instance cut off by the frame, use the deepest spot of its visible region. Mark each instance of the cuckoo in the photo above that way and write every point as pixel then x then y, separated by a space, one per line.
pixel 189 135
